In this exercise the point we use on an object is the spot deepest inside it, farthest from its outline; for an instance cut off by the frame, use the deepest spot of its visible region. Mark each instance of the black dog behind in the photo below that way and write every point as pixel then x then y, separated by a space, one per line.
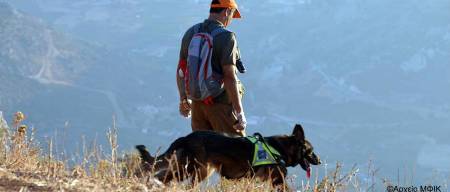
pixel 198 154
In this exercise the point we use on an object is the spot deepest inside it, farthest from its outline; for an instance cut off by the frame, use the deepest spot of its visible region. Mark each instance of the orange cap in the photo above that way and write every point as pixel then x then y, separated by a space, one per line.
pixel 227 4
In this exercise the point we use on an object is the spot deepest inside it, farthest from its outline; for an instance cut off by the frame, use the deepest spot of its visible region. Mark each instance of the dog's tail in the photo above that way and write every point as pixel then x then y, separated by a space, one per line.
pixel 145 155
pixel 149 161
pixel 177 145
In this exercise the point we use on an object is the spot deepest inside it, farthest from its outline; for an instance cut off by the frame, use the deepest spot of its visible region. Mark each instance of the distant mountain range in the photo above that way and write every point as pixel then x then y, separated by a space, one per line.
pixel 55 77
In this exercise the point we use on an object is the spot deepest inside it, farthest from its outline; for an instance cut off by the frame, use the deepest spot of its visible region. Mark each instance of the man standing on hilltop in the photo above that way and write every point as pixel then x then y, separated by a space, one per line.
pixel 207 73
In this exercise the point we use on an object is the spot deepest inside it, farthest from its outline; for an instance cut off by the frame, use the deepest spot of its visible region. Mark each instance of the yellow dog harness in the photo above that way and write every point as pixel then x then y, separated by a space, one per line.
pixel 264 154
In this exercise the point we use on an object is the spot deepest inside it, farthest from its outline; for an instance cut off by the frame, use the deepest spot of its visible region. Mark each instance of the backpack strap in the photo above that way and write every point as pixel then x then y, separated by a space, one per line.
pixel 197 28
pixel 214 33
pixel 218 31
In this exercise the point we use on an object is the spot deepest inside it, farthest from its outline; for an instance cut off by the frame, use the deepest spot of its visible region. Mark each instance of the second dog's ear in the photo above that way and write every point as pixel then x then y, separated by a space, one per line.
pixel 298 133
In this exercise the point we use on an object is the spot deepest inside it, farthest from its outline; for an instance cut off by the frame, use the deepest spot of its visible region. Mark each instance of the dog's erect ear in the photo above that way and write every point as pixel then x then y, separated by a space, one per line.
pixel 298 133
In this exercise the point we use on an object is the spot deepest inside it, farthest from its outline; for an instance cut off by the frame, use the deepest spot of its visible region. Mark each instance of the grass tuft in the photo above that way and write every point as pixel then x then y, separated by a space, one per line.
pixel 25 166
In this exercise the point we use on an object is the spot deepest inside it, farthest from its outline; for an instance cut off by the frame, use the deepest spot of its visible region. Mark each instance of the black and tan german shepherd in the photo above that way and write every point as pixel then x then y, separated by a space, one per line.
pixel 198 154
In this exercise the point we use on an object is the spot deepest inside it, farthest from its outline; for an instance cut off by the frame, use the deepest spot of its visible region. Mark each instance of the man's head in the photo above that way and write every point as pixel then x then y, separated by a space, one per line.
pixel 224 11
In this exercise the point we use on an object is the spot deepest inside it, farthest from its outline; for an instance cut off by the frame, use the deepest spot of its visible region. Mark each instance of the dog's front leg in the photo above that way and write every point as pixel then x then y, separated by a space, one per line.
pixel 277 176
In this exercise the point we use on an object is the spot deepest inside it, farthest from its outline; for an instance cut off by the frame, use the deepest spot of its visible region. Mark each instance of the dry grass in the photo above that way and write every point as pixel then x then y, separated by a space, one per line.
pixel 24 166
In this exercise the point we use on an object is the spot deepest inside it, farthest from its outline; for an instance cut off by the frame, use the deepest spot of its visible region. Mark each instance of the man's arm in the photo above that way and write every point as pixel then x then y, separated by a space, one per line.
pixel 180 81
pixel 184 107
pixel 182 64
pixel 228 61
pixel 230 81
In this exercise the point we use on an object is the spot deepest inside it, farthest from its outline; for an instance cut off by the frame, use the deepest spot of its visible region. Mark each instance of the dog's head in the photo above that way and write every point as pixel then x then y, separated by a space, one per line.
pixel 303 150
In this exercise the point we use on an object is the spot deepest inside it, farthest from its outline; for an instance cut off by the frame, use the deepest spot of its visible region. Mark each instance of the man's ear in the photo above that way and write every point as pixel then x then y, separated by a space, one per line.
pixel 228 12
pixel 298 133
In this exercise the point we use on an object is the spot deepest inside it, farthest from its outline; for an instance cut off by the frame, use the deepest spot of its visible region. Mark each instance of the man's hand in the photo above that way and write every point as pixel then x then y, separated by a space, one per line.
pixel 241 123
pixel 185 108
pixel 231 87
